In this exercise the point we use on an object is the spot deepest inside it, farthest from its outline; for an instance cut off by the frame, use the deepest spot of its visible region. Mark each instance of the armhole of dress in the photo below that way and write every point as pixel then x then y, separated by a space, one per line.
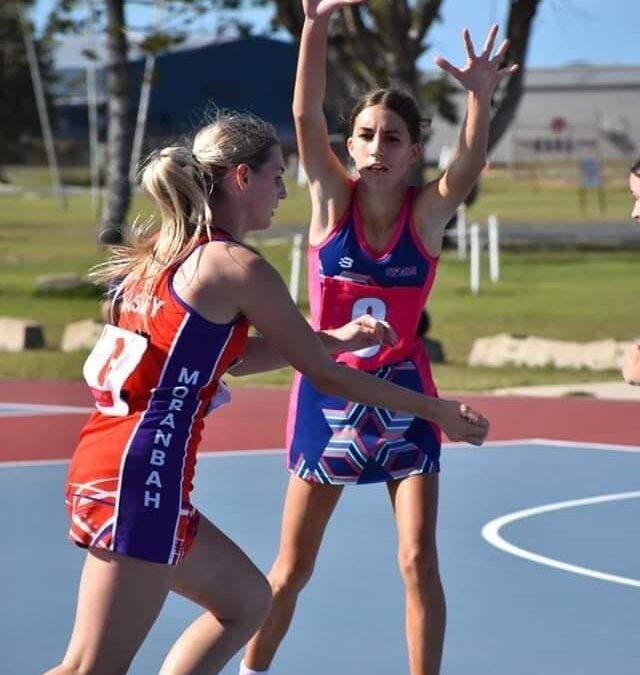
pixel 413 229
pixel 341 221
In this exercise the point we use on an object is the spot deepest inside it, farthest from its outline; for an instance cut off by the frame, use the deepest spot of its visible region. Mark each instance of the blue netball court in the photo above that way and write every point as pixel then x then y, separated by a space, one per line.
pixel 540 557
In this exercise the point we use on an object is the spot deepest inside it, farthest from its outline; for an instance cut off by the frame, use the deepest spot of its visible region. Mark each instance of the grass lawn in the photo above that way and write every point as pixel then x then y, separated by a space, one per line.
pixel 559 294
pixel 546 199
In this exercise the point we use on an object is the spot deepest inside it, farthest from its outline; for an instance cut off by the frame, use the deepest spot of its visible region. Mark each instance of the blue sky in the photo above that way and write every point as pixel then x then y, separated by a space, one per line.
pixel 565 31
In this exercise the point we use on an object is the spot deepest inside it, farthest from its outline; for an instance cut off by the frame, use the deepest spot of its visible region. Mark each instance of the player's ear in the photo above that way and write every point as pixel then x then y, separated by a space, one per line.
pixel 241 176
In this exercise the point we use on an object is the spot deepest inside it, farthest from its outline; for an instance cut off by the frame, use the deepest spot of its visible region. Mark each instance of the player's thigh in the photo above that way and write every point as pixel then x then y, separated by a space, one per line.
pixel 307 510
pixel 219 576
pixel 415 504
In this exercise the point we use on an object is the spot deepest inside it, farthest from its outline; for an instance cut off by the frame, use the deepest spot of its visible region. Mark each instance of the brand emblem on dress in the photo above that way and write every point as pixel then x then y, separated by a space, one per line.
pixel 346 262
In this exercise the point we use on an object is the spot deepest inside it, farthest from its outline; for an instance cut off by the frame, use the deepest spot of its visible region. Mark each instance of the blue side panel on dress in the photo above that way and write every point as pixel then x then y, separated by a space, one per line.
pixel 339 442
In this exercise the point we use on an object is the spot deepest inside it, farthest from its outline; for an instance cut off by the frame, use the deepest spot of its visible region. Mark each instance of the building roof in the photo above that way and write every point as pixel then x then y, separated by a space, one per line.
pixel 583 76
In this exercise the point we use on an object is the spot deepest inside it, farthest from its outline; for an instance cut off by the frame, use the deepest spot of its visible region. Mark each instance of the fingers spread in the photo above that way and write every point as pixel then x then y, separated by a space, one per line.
pixel 468 43
pixel 502 50
pixel 446 66
pixel 490 41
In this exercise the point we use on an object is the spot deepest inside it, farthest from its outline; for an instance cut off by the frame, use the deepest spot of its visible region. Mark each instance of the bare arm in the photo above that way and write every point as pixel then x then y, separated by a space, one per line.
pixel 439 200
pixel 328 179
pixel 365 331
pixel 275 316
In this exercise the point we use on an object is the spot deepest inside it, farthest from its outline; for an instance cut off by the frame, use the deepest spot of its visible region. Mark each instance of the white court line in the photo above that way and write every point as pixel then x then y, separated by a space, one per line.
pixel 207 454
pixel 525 442
pixel 491 533
pixel 9 409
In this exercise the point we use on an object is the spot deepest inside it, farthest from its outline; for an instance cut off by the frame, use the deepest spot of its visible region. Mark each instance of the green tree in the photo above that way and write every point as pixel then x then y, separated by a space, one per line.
pixel 381 41
pixel 18 112
pixel 108 17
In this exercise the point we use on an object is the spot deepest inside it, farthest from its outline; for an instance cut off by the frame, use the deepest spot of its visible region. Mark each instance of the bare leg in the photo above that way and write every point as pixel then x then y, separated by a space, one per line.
pixel 118 601
pixel 307 510
pixel 415 503
pixel 218 576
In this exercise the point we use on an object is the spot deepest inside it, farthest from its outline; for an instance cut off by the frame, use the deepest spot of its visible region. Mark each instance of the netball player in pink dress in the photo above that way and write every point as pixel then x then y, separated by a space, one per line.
pixel 374 247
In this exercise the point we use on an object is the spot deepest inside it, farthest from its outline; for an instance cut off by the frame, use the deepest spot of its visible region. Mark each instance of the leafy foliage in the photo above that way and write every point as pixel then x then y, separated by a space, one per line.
pixel 18 113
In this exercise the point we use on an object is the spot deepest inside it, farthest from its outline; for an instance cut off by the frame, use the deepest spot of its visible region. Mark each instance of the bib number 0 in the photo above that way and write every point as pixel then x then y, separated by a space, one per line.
pixel 375 308
pixel 114 357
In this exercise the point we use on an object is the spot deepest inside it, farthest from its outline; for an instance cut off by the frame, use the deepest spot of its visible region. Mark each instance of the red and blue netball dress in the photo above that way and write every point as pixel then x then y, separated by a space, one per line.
pixel 337 442
pixel 154 377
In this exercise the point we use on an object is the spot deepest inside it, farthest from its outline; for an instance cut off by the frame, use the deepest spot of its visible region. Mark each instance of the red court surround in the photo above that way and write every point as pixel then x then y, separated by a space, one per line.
pixel 256 419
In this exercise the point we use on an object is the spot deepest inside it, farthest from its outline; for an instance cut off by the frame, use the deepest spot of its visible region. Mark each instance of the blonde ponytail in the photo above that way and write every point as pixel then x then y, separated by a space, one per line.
pixel 184 184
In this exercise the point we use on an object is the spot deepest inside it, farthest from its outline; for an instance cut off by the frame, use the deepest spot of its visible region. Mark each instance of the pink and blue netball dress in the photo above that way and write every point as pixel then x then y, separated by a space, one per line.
pixel 337 442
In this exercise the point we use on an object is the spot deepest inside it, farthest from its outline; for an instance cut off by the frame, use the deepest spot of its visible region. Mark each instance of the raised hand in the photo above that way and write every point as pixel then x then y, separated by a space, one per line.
pixel 462 423
pixel 482 72
pixel 316 8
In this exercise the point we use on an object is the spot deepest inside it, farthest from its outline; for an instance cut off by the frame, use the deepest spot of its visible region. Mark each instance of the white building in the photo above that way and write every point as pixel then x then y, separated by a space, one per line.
pixel 570 113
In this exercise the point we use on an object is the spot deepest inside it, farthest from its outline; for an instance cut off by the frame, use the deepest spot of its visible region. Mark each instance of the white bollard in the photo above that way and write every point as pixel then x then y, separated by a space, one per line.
pixel 474 266
pixel 494 248
pixel 301 177
pixel 296 266
pixel 461 231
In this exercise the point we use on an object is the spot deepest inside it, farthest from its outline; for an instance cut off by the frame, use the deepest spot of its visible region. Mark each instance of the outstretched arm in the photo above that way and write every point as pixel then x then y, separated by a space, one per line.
pixel 328 179
pixel 273 313
pixel 365 331
pixel 481 74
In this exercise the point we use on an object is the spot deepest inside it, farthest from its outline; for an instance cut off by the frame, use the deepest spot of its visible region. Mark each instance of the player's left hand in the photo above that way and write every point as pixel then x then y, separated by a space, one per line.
pixel 482 72
pixel 365 331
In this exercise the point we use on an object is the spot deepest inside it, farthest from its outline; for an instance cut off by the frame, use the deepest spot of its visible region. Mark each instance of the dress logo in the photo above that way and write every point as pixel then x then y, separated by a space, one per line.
pixel 346 262
pixel 401 271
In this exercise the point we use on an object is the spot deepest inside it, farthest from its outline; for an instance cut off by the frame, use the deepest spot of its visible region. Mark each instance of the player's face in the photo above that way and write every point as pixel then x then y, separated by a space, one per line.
pixel 380 145
pixel 634 186
pixel 265 189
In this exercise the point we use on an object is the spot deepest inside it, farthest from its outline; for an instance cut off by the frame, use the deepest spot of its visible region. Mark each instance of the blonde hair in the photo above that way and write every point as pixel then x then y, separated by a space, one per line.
pixel 184 182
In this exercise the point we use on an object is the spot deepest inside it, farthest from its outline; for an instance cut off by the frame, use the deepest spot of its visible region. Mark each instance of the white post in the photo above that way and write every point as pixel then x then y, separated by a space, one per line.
pixel 41 105
pixel 296 266
pixel 94 149
pixel 474 267
pixel 461 231
pixel 301 178
pixel 494 248
pixel 92 107
pixel 141 121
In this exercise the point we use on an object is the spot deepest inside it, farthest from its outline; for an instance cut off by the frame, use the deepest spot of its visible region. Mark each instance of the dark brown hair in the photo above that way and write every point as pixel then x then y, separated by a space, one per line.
pixel 635 167
pixel 397 99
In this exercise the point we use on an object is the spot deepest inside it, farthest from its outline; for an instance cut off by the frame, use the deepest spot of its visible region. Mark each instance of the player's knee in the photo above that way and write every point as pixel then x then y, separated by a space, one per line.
pixel 257 605
pixel 291 576
pixel 419 567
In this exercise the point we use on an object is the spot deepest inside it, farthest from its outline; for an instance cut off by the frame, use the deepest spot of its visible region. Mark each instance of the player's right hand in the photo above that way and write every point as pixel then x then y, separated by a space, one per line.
pixel 316 8
pixel 462 423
